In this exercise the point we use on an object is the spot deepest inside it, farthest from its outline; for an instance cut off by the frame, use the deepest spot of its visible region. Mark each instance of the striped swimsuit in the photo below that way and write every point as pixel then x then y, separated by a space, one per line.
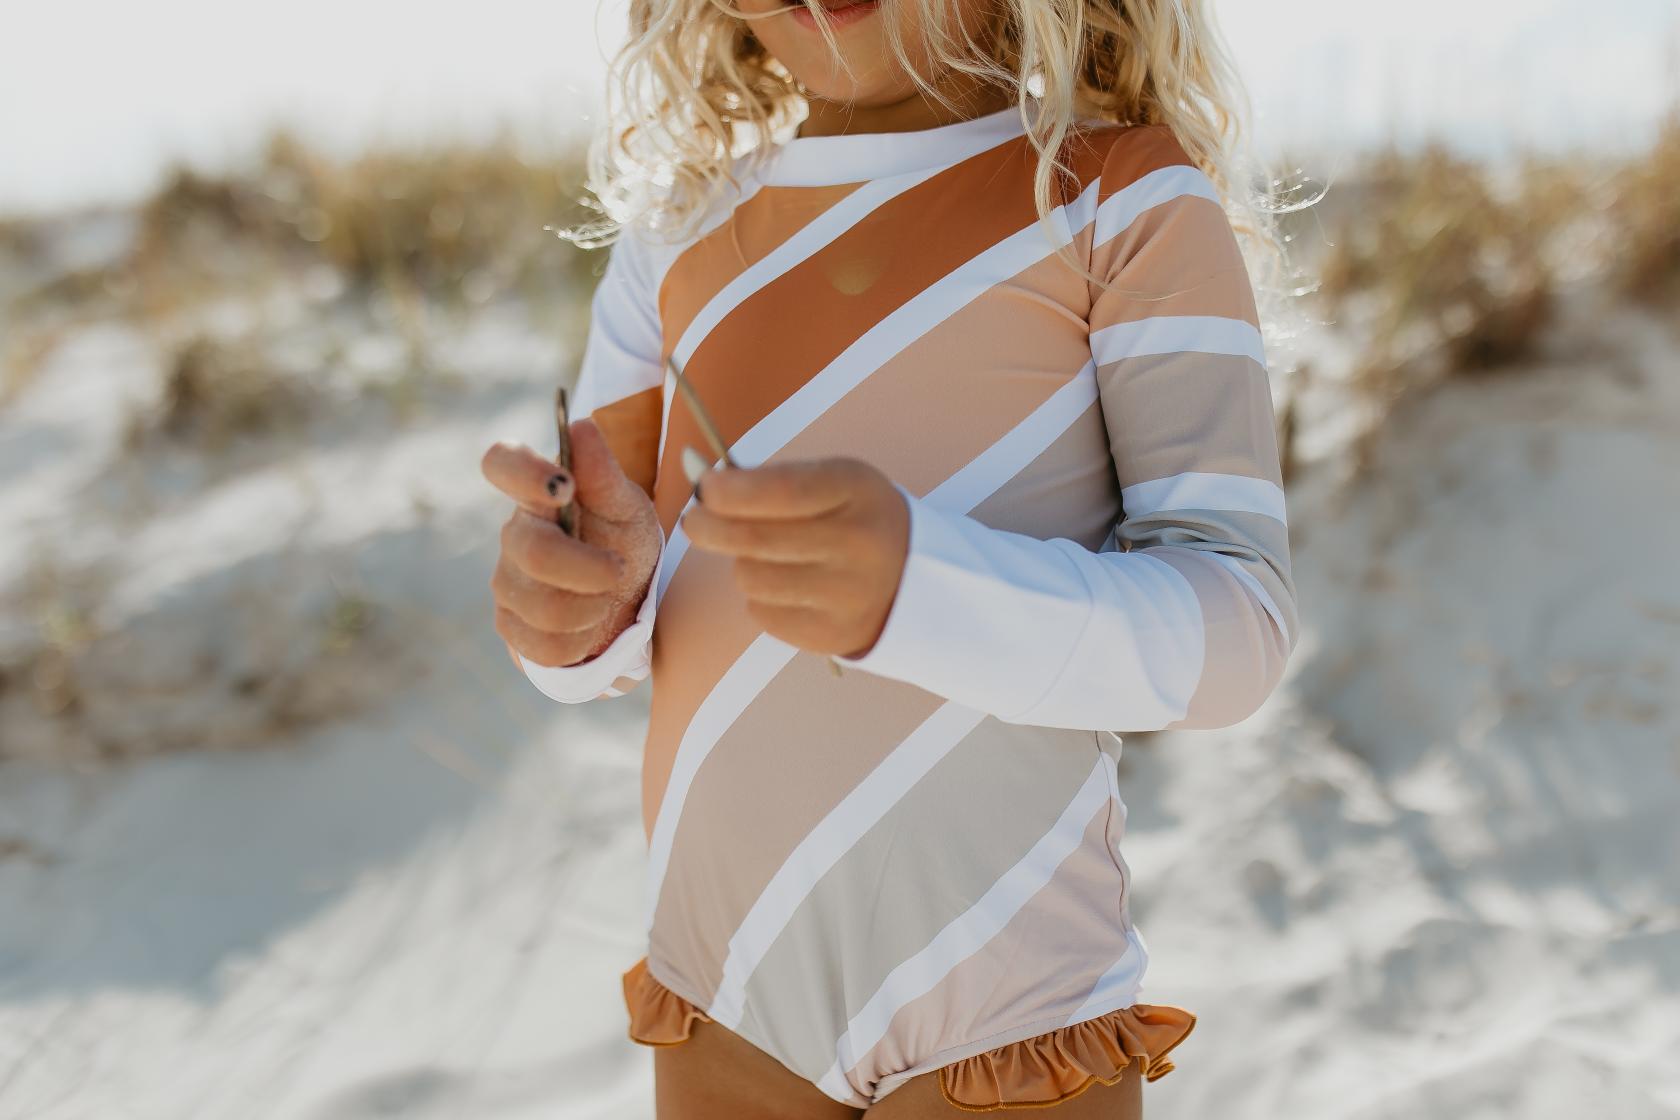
pixel 883 872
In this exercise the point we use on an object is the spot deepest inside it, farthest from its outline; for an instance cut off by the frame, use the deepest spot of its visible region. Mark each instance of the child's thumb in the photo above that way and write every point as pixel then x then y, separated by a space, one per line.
pixel 602 486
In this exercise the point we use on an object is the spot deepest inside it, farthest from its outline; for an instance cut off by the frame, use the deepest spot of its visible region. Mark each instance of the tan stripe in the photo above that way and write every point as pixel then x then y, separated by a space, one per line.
pixel 1071 933
pixel 755 229
pixel 1068 491
pixel 1178 258
pixel 1245 656
pixel 1190 412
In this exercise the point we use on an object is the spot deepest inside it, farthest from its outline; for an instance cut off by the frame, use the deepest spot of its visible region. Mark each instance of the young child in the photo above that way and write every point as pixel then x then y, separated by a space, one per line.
pixel 984 349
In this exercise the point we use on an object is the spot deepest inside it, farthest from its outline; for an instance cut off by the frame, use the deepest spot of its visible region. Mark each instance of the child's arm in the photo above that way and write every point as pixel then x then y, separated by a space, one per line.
pixel 1192 625
pixel 619 388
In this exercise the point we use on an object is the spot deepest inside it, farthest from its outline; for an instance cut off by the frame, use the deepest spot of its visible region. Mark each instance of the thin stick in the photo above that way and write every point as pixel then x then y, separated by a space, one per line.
pixel 715 439
pixel 566 517
pixel 701 416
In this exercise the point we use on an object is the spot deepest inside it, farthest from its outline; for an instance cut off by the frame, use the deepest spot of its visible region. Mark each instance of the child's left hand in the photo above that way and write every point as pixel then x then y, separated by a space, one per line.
pixel 819 547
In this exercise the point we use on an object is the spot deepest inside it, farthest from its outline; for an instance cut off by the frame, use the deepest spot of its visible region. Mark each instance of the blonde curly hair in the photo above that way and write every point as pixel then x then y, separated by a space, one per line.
pixel 692 91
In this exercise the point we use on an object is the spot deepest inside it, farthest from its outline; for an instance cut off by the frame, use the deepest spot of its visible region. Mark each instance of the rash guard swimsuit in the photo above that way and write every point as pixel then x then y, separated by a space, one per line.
pixel 915 864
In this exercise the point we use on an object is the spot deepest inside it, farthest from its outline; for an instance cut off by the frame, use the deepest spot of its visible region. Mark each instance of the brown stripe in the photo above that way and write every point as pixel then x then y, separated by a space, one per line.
pixel 752 232
pixel 631 427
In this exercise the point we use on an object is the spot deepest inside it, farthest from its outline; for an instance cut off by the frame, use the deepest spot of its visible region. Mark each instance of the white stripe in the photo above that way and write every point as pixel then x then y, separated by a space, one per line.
pixel 818 852
pixel 1230 493
pixel 1023 443
pixel 970 931
pixel 1178 334
pixel 1236 568
pixel 1126 205
pixel 722 707
pixel 1118 987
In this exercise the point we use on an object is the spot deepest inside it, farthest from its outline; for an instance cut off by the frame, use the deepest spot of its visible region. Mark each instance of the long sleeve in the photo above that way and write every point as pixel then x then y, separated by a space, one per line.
pixel 620 386
pixel 1186 616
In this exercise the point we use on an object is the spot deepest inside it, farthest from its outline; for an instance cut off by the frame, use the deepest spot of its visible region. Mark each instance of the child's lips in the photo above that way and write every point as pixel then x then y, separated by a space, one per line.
pixel 840 12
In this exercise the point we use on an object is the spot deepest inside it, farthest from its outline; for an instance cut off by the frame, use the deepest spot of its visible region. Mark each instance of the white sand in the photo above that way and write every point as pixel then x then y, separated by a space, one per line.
pixel 1436 876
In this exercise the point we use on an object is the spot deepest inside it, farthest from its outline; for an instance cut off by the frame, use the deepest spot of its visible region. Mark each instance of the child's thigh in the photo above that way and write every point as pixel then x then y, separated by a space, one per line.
pixel 718 1075
pixel 920 1099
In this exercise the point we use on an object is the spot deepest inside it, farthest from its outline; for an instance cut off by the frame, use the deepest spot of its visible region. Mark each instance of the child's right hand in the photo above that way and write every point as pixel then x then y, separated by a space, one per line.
pixel 561 600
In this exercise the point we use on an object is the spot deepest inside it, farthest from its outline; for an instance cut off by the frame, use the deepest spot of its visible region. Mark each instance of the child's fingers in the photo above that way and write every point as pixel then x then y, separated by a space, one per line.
pixel 543 551
pixel 785 539
pixel 536 483
pixel 803 488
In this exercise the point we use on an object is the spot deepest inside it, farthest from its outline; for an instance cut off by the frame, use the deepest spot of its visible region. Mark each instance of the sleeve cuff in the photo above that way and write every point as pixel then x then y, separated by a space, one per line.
pixel 627 656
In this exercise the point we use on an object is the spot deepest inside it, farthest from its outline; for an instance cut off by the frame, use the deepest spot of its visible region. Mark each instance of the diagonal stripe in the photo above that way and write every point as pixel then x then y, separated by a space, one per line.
pixel 858 812
pixel 971 931
pixel 722 707
pixel 1023 443
pixel 1177 334
pixel 811 238
pixel 1233 493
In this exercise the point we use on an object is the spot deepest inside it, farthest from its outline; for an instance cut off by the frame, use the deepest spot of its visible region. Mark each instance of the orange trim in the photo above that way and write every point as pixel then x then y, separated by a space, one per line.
pixel 1050 1069
pixel 1066 1062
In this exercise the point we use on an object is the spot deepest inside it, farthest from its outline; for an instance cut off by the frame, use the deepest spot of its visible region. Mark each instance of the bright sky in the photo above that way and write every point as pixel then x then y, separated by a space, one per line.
pixel 96 96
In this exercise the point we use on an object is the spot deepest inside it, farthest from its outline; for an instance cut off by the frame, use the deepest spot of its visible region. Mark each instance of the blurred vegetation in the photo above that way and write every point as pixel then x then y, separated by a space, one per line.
pixel 414 241
pixel 1436 266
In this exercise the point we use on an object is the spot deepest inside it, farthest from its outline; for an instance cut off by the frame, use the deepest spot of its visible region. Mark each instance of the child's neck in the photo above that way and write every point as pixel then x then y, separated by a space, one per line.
pixel 840 118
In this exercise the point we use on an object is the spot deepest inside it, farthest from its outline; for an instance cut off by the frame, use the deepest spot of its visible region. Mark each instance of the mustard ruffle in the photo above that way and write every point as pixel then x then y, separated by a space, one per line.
pixel 1051 1068
pixel 1032 1073
pixel 658 1016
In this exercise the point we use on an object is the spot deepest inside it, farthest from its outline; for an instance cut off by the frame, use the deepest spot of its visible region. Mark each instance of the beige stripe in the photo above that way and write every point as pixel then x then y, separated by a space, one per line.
pixel 804 743
pixel 1178 258
pixel 1238 638
pixel 922 865
pixel 1070 931
pixel 1070 490
pixel 1189 412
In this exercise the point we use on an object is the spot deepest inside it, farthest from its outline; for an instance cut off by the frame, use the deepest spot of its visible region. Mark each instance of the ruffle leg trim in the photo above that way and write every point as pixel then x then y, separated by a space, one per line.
pixel 658 1016
pixel 1051 1068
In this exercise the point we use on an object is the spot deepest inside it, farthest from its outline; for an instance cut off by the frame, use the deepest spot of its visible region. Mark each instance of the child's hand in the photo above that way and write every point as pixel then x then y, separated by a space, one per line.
pixel 819 547
pixel 561 600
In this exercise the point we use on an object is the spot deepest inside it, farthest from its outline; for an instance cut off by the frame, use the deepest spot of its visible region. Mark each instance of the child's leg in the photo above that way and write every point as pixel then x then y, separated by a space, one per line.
pixel 920 1099
pixel 717 1075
